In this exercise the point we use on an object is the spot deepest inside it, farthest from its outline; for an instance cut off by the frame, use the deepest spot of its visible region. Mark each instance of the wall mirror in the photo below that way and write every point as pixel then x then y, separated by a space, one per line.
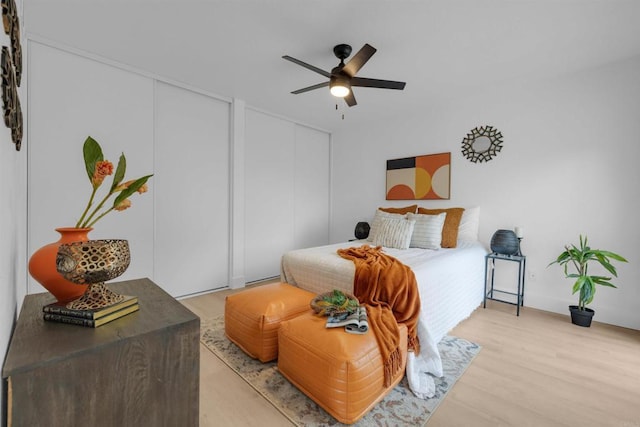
pixel 482 144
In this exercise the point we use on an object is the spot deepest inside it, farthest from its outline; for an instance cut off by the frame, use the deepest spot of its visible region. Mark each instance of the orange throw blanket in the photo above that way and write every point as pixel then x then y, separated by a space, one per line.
pixel 389 290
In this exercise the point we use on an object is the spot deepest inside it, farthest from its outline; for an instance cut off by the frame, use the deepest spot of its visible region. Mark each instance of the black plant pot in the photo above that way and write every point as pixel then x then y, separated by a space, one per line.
pixel 581 317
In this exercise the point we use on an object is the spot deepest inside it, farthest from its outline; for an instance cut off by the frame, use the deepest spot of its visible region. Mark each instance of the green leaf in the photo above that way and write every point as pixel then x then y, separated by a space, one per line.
pixel 613 255
pixel 92 155
pixel 605 263
pixel 588 290
pixel 604 281
pixel 579 284
pixel 124 194
pixel 120 171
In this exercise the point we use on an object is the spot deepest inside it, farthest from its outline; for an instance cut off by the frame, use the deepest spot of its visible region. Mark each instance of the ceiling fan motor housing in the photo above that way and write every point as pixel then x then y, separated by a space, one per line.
pixel 342 51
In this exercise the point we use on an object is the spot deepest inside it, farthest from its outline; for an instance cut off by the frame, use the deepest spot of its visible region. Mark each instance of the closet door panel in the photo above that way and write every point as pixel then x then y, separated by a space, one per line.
pixel 71 97
pixel 311 183
pixel 192 191
pixel 269 193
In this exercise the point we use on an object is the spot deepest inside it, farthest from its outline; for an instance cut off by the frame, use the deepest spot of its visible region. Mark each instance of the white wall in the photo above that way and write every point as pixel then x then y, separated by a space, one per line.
pixel 568 166
pixel 13 236
pixel 13 222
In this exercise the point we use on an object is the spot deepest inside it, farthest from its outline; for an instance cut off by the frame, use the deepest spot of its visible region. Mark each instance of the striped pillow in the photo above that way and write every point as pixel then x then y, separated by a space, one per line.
pixel 451 224
pixel 394 233
pixel 377 219
pixel 427 233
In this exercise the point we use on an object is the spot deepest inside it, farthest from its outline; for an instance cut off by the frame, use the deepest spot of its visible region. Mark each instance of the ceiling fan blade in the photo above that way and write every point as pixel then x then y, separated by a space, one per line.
pixel 382 84
pixel 350 99
pixel 358 60
pixel 307 89
pixel 307 66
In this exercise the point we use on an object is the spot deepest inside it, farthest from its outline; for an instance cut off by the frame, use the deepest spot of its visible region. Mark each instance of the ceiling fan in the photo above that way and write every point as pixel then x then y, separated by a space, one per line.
pixel 343 77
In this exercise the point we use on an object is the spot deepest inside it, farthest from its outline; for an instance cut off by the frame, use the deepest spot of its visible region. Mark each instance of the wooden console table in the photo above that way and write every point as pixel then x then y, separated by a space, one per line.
pixel 139 370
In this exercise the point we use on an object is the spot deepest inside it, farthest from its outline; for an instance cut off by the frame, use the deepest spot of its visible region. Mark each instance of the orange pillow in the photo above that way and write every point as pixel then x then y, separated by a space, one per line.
pixel 451 224
pixel 401 211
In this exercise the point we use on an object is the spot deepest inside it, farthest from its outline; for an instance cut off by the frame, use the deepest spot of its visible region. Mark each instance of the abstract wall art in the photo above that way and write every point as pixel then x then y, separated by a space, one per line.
pixel 425 177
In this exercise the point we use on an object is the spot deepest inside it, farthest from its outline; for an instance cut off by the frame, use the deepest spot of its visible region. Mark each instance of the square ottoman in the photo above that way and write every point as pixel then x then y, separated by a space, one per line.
pixel 252 316
pixel 341 372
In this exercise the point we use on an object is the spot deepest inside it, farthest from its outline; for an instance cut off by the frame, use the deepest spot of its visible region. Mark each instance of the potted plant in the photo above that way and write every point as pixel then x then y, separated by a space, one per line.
pixel 585 284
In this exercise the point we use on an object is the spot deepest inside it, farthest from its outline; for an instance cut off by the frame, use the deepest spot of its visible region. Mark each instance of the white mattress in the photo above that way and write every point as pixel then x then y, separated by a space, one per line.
pixel 450 282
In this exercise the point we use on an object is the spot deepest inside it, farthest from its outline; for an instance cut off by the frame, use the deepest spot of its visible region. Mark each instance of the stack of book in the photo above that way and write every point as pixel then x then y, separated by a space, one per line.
pixel 58 312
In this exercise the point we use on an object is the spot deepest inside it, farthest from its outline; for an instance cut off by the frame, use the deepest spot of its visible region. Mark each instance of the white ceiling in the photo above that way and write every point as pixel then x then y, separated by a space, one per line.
pixel 441 48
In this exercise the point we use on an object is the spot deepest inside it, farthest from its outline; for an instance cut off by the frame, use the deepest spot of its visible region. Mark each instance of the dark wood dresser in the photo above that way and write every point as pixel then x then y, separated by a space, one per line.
pixel 142 369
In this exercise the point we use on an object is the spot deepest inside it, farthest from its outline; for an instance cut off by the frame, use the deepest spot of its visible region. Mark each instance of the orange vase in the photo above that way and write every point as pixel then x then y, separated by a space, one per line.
pixel 42 265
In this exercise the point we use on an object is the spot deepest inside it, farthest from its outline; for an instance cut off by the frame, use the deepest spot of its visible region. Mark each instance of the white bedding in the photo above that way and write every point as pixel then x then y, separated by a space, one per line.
pixel 450 282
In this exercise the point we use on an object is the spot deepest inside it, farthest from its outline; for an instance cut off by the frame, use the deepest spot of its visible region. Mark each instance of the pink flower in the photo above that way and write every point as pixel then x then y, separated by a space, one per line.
pixel 125 204
pixel 103 169
pixel 124 185
pixel 97 170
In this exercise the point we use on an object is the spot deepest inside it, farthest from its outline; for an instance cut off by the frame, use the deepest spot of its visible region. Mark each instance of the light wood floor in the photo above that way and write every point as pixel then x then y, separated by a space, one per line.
pixel 534 370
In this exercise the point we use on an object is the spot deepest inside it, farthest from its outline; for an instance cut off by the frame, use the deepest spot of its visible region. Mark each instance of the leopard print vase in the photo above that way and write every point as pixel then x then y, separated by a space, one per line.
pixel 93 262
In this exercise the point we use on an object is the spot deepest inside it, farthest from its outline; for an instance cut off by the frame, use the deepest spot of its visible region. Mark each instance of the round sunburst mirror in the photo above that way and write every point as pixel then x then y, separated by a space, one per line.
pixel 482 144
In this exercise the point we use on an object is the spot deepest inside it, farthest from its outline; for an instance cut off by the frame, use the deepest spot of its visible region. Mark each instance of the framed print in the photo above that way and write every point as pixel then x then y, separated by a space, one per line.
pixel 425 177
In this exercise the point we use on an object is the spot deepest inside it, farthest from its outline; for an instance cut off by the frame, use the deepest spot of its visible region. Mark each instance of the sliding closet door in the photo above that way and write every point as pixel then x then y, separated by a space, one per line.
pixel 311 197
pixel 192 191
pixel 70 98
pixel 269 184
pixel 286 191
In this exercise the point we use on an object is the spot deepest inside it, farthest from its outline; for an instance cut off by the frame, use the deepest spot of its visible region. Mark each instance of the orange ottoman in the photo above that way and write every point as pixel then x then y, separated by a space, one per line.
pixel 341 372
pixel 252 317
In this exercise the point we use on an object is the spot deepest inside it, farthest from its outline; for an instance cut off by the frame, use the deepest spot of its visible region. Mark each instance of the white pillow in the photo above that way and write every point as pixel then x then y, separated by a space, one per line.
pixel 377 218
pixel 394 233
pixel 469 224
pixel 427 233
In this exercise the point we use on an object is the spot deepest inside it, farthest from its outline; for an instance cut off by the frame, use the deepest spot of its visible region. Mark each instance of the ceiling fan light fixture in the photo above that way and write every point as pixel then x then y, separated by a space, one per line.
pixel 342 77
pixel 339 91
pixel 339 86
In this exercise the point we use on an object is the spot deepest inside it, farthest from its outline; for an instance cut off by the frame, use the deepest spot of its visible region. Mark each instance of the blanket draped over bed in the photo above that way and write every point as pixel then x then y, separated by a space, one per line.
pixel 389 290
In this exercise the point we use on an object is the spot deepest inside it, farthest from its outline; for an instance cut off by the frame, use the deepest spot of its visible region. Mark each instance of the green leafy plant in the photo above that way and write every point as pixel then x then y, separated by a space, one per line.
pixel 98 169
pixel 334 302
pixel 579 257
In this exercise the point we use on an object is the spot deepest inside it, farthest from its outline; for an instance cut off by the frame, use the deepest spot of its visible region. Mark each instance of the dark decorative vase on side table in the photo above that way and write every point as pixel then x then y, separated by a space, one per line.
pixel 505 242
pixel 362 230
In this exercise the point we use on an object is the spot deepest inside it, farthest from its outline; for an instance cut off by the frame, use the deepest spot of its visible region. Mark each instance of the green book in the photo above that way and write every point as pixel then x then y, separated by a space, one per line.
pixel 91 323
pixel 61 309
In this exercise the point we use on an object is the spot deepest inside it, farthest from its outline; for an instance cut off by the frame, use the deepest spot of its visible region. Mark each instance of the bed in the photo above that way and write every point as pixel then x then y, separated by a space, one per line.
pixel 450 283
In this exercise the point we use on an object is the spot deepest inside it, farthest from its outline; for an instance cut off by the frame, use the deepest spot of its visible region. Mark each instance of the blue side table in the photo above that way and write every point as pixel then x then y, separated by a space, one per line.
pixel 489 291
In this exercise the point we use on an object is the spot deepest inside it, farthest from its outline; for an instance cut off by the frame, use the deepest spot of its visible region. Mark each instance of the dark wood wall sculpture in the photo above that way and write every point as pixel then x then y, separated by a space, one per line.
pixel 11 72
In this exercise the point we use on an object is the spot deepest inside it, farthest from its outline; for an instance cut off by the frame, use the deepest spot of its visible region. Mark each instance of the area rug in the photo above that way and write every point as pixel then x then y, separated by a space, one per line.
pixel 399 408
